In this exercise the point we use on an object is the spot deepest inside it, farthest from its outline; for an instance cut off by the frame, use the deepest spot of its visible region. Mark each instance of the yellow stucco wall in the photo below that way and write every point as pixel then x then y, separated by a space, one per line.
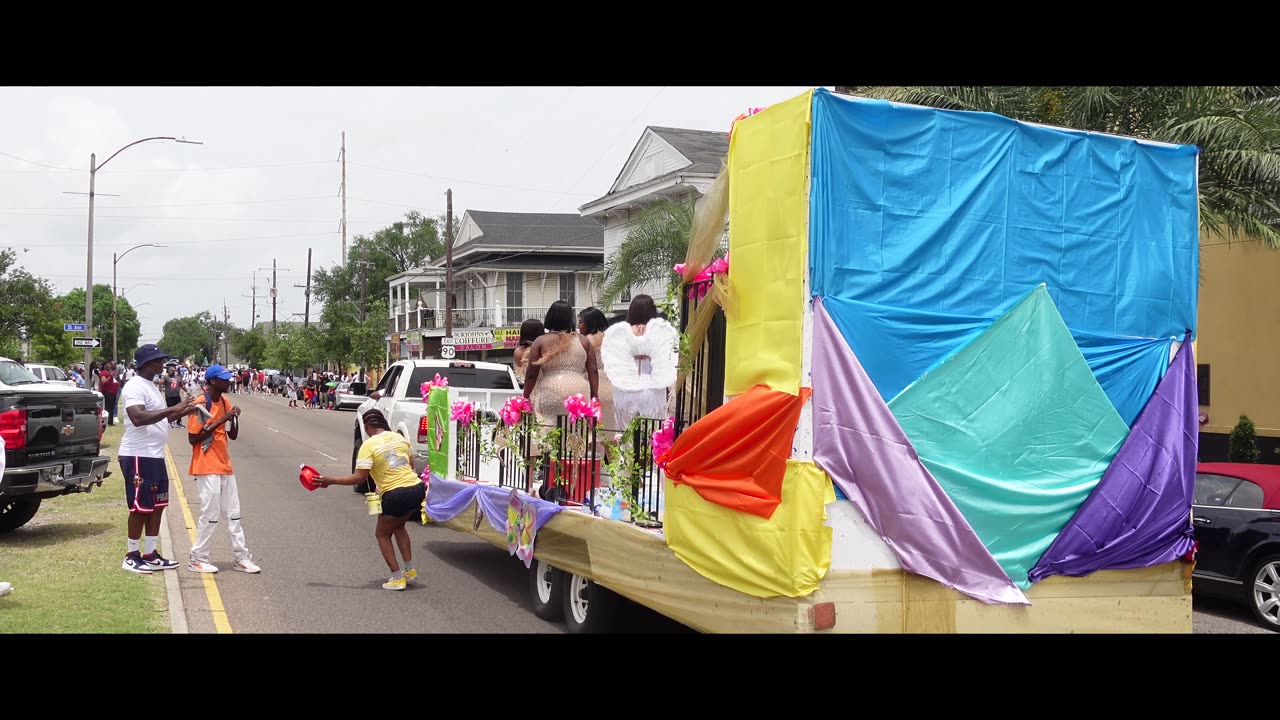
pixel 1239 333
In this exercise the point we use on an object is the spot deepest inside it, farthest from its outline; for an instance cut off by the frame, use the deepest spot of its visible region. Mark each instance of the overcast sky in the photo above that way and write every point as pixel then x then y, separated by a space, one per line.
pixel 264 185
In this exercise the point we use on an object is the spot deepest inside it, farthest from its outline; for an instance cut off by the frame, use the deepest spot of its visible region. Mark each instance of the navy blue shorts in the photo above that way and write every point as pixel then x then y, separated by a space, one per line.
pixel 152 493
pixel 402 501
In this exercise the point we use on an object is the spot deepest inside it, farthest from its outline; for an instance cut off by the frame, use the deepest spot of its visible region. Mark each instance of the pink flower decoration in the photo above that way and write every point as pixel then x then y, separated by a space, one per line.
pixel 663 439
pixel 513 409
pixel 579 408
pixel 463 411
pixel 427 387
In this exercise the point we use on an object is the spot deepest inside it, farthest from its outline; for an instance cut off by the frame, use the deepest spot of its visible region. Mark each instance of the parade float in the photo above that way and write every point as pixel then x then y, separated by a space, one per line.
pixel 955 393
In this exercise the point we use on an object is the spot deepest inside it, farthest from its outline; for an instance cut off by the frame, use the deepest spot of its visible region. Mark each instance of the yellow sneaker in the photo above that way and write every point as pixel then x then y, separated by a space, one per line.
pixel 394 584
pixel 410 575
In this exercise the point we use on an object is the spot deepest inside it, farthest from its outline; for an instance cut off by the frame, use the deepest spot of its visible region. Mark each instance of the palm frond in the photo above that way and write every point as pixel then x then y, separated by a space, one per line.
pixel 658 239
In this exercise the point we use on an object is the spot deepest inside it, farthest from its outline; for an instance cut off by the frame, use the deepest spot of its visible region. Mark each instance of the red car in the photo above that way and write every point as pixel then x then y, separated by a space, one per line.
pixel 1236 513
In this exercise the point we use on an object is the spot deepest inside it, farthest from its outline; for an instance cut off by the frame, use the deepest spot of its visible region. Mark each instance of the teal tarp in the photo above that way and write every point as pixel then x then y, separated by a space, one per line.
pixel 1016 430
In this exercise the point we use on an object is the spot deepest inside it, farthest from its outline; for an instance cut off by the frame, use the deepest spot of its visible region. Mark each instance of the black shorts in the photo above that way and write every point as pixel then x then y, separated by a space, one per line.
pixel 153 492
pixel 402 501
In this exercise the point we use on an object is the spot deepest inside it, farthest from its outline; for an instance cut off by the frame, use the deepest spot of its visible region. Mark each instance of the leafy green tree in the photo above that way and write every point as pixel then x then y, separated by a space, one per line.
pixel 401 246
pixel 658 239
pixel 1237 129
pixel 252 347
pixel 193 337
pixel 26 308
pixel 72 310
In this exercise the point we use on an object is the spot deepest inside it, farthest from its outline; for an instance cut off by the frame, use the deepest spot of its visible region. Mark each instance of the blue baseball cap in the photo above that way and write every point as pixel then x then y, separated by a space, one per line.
pixel 148 353
pixel 217 371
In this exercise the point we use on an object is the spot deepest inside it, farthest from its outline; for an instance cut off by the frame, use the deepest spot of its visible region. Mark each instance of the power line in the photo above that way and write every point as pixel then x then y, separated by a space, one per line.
pixel 181 242
pixel 176 217
pixel 165 205
pixel 33 162
pixel 468 182
pixel 165 170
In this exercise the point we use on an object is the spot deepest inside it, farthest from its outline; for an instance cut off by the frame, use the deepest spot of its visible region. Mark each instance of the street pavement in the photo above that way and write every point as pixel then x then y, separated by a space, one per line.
pixel 321 568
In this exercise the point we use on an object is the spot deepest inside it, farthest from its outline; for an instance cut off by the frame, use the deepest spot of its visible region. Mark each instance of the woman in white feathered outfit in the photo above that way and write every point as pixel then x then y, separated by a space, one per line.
pixel 640 358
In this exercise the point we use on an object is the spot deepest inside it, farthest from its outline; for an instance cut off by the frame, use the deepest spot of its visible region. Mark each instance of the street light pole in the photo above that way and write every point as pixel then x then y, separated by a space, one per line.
pixel 115 296
pixel 94 167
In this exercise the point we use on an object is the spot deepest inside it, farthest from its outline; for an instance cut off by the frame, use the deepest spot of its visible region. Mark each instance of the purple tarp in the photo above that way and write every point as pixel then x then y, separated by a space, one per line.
pixel 447 498
pixel 1140 513
pixel 859 443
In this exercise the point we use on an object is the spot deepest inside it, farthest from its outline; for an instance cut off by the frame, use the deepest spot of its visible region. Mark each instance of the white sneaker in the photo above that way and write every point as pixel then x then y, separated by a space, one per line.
pixel 5 588
pixel 201 567
pixel 246 566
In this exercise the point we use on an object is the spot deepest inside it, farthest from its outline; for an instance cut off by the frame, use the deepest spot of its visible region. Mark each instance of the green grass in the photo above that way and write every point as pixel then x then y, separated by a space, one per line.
pixel 65 566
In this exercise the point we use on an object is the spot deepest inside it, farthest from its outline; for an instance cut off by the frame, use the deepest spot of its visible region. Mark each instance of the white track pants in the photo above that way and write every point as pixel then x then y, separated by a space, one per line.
pixel 219 499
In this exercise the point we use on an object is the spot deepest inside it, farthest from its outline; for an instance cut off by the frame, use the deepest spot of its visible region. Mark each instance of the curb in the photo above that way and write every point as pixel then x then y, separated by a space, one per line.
pixel 177 611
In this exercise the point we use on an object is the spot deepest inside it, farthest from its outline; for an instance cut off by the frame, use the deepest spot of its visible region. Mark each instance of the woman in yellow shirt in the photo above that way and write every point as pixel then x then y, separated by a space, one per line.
pixel 389 459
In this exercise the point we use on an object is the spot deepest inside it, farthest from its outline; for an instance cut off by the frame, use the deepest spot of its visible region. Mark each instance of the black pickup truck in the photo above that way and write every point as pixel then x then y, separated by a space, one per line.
pixel 52 443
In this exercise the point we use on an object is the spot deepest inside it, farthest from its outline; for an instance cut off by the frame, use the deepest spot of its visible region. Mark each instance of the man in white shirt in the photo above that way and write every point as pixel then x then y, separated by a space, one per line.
pixel 146 478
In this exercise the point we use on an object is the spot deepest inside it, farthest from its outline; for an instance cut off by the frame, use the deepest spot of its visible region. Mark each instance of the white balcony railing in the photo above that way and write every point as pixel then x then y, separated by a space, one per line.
pixel 493 317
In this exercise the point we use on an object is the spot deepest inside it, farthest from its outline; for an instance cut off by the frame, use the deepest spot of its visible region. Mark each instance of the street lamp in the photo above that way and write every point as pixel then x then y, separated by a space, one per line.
pixel 115 297
pixel 94 167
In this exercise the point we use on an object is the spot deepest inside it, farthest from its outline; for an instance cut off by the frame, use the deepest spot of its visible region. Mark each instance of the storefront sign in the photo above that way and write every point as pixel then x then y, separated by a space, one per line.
pixel 498 339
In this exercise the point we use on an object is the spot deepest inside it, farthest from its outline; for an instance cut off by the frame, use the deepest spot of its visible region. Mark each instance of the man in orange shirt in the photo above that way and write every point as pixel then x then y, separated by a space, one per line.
pixel 215 478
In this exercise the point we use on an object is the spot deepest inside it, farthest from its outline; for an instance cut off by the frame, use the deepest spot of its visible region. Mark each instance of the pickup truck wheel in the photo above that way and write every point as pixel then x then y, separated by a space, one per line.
pixel 16 512
pixel 589 607
pixel 546 590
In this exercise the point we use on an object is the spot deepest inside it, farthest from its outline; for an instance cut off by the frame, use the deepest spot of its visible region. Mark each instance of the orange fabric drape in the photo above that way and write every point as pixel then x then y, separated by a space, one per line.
pixel 736 456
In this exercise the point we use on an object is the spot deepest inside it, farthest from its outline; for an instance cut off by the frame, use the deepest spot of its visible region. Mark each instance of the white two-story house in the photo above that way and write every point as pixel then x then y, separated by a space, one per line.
pixel 665 163
pixel 506 267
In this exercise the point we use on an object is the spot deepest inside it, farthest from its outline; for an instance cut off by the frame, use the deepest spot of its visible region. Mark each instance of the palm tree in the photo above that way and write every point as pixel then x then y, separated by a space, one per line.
pixel 658 239
pixel 1236 128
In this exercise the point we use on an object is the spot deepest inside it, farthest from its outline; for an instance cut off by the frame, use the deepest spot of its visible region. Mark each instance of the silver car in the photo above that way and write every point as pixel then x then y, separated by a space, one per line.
pixel 349 396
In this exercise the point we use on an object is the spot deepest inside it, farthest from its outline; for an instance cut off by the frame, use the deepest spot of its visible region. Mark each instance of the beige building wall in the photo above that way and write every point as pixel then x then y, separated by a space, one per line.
pixel 1239 334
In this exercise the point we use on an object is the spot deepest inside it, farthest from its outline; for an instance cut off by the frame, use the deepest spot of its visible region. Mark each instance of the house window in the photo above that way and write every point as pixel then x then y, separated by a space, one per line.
pixel 515 298
pixel 567 290
pixel 1202 383
pixel 625 296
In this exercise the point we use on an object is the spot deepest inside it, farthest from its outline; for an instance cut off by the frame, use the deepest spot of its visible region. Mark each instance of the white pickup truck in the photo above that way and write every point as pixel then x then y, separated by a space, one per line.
pixel 399 396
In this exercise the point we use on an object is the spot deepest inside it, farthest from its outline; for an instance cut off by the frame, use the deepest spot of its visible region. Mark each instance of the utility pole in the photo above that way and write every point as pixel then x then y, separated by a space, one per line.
pixel 274 292
pixel 306 315
pixel 342 155
pixel 226 323
pixel 448 260
pixel 364 293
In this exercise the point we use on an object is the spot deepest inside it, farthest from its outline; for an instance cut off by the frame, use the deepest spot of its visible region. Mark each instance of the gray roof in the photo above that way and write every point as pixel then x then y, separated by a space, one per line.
pixel 536 230
pixel 706 149
pixel 536 263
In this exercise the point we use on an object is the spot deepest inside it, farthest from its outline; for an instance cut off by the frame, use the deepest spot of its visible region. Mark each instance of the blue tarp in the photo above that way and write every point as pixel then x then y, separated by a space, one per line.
pixel 962 213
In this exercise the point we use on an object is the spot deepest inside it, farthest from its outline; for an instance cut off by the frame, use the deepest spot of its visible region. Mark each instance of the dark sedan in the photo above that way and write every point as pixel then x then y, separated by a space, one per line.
pixel 1236 512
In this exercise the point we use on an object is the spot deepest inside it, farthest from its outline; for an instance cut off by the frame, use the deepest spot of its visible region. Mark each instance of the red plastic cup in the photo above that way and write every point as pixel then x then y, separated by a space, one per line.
pixel 307 476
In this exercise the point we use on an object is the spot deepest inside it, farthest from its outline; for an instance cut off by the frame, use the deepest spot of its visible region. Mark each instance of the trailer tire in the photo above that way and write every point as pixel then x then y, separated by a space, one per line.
pixel 546 591
pixel 589 608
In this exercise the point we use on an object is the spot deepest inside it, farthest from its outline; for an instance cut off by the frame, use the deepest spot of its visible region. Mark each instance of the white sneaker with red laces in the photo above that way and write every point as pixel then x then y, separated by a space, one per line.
pixel 246 566
pixel 201 567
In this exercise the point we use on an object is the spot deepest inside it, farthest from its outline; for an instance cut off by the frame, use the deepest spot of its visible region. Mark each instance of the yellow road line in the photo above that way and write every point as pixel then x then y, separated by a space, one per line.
pixel 220 621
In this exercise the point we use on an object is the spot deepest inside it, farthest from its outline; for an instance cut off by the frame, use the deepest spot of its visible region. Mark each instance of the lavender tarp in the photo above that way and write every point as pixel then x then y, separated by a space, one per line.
pixel 860 444
pixel 1140 513
pixel 447 498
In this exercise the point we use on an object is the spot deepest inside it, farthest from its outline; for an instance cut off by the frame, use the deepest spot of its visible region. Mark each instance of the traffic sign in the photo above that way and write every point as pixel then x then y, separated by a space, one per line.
pixel 73 327
pixel 86 342
pixel 446 352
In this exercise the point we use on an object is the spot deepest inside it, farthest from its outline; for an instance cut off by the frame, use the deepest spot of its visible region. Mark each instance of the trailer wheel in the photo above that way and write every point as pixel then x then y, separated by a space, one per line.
pixel 546 590
pixel 589 607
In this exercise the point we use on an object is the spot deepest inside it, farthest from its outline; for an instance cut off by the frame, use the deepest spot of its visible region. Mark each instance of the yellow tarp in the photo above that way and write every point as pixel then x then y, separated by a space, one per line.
pixel 785 555
pixel 768 247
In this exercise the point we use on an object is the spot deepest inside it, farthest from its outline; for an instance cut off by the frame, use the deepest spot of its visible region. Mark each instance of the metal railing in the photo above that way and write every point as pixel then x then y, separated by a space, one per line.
pixel 559 461
pixel 703 388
